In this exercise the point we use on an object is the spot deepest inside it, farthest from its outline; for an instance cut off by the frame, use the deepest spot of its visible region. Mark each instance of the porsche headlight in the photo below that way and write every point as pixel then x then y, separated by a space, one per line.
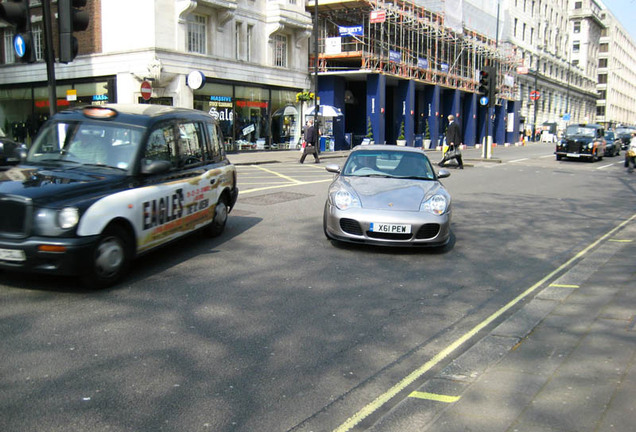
pixel 437 205
pixel 343 199
pixel 53 222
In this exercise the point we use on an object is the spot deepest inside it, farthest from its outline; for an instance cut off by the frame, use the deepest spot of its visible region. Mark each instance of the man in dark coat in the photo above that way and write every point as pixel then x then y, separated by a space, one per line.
pixel 454 140
pixel 311 138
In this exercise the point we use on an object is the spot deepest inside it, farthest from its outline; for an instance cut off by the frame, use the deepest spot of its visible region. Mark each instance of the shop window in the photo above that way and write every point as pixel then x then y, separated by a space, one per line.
pixel 197 34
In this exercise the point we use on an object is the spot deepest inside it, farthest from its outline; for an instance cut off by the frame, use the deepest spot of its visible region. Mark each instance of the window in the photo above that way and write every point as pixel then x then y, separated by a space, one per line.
pixel 602 94
pixel 215 143
pixel 189 144
pixel 603 47
pixel 577 26
pixel 9 54
pixel 161 145
pixel 250 36
pixel 197 34
pixel 602 63
pixel 602 79
pixel 515 28
pixel 38 44
pixel 576 46
pixel 237 40
pixel 578 5
pixel 280 50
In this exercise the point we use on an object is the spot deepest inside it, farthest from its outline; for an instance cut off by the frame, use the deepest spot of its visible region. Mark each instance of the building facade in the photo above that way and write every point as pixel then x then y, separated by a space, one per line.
pixel 553 88
pixel 246 59
pixel 616 85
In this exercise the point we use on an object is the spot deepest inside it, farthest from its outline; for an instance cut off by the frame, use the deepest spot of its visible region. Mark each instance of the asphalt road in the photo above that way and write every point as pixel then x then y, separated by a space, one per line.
pixel 273 328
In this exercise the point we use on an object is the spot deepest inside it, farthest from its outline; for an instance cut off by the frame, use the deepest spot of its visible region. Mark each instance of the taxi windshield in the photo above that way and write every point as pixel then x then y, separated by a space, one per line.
pixel 89 143
pixel 581 131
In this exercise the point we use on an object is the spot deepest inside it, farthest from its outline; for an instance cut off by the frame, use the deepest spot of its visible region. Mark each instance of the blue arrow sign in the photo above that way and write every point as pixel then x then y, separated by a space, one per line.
pixel 19 45
pixel 483 101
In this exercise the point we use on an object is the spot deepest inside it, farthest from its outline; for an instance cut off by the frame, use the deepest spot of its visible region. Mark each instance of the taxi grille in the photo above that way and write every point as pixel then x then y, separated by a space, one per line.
pixel 350 226
pixel 14 214
pixel 427 231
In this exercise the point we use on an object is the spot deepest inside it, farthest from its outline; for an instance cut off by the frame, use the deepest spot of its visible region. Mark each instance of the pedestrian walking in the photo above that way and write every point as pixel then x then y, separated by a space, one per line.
pixel 311 139
pixel 453 140
pixel 630 154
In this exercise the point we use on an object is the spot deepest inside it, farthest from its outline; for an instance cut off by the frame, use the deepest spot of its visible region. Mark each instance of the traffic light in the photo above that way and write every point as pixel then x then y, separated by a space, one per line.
pixel 488 84
pixel 16 13
pixel 70 19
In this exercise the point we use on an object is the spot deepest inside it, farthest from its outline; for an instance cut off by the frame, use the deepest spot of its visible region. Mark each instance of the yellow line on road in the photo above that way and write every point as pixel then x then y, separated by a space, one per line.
pixel 621 241
pixel 300 183
pixel 417 373
pixel 434 397
pixel 277 174
pixel 564 286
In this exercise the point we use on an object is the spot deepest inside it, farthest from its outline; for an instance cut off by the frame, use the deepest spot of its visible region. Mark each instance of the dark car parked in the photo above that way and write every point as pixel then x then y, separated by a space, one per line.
pixel 11 151
pixel 613 144
pixel 582 141
pixel 625 135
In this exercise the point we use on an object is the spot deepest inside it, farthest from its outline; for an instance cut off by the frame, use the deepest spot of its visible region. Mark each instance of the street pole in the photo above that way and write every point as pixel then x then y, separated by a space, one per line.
pixel 49 53
pixel 316 122
pixel 536 103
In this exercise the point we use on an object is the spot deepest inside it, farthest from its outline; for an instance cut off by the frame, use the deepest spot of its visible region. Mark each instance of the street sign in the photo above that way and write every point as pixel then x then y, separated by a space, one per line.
pixel 146 90
pixel 566 117
pixel 483 101
pixel 535 95
pixel 19 45
pixel 523 70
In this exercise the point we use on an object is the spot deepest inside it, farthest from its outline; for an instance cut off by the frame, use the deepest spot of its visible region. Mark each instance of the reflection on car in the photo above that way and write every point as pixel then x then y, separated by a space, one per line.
pixel 102 185
pixel 388 195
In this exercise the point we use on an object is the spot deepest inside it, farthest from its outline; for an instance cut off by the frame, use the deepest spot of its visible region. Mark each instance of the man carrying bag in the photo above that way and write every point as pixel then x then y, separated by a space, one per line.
pixel 311 138
pixel 453 139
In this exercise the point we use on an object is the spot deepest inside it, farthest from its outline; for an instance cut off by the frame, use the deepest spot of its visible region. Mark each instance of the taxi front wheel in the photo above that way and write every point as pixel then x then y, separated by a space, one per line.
pixel 110 259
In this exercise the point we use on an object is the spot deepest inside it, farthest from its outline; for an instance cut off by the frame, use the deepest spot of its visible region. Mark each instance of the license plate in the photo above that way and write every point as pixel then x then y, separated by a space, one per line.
pixel 573 155
pixel 390 228
pixel 12 255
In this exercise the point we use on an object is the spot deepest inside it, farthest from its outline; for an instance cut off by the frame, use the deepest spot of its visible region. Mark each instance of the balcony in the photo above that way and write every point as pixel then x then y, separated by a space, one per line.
pixel 289 15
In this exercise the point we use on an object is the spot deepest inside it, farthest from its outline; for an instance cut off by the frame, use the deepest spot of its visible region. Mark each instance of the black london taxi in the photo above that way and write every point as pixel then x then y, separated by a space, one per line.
pixel 101 185
pixel 582 141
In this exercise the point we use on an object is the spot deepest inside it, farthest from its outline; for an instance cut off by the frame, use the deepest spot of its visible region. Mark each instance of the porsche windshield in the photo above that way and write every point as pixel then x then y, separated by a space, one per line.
pixel 388 164
pixel 89 143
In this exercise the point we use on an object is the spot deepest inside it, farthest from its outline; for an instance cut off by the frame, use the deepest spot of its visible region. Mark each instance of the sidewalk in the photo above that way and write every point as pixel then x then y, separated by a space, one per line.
pixel 564 362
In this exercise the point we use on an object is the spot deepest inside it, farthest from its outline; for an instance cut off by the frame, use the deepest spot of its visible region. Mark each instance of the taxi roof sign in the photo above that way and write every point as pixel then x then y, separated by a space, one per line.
pixel 98 112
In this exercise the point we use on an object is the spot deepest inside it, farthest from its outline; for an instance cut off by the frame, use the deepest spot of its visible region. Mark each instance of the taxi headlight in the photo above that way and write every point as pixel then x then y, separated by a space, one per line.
pixel 590 145
pixel 437 205
pixel 53 222
pixel 343 199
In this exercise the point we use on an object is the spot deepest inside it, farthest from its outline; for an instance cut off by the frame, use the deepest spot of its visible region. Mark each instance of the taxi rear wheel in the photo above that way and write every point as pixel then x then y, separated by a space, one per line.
pixel 110 259
pixel 219 220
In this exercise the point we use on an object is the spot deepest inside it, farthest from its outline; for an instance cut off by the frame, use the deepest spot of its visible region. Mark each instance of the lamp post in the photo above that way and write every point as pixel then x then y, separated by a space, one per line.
pixel 536 103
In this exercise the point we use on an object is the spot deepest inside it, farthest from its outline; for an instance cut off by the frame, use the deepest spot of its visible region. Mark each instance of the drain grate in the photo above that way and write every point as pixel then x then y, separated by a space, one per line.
pixel 274 198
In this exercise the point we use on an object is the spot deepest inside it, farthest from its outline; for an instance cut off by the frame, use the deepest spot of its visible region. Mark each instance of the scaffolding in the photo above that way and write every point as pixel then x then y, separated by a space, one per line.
pixel 406 40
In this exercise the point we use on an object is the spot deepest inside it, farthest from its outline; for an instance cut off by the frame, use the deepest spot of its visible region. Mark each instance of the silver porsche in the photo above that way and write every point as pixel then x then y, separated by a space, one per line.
pixel 388 195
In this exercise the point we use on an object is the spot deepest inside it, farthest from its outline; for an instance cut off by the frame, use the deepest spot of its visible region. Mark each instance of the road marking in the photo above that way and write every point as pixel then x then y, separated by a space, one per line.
pixel 382 399
pixel 434 397
pixel 285 185
pixel 277 174
pixel 547 156
pixel 604 166
pixel 564 286
pixel 518 160
pixel 621 241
